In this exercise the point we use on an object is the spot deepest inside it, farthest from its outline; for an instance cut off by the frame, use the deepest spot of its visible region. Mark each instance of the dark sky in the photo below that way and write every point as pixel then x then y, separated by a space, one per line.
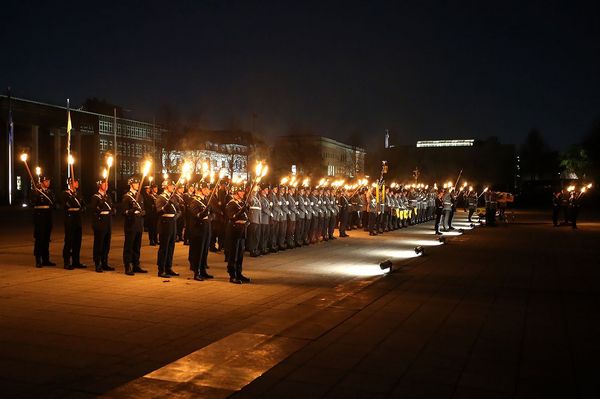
pixel 420 69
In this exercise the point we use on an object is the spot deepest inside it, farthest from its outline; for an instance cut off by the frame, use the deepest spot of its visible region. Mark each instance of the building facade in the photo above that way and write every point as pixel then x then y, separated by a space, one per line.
pixel 317 156
pixel 40 131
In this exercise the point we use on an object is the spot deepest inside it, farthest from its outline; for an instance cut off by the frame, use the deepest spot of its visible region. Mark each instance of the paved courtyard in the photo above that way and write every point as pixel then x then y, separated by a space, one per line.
pixel 510 311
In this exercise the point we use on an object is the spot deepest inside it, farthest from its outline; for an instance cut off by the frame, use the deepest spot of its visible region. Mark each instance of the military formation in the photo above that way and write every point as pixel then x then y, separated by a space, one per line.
pixel 566 204
pixel 231 217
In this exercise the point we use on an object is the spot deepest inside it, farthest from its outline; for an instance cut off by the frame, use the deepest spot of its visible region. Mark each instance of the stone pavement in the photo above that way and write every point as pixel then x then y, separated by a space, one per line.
pixel 497 312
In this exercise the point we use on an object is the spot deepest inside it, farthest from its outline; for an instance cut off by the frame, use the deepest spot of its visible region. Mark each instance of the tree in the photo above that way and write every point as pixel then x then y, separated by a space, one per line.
pixel 537 160
pixel 591 145
pixel 575 161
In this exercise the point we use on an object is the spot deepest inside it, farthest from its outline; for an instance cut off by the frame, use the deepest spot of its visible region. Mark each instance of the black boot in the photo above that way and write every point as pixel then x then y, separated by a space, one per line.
pixel 38 262
pixel 138 269
pixel 99 268
pixel 243 278
pixel 205 275
pixel 129 270
pixel 68 266
pixel 198 277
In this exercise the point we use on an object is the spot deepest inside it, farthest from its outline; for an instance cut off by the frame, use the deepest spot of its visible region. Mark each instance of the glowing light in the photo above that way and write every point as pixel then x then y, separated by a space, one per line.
pixel 38 170
pixel 570 188
pixel 470 188
pixel 258 169
pixel 109 161
pixel 265 170
pixel 150 178
pixel 104 173
pixel 589 185
pixel 147 165
pixel 583 189
pixel 284 180
pixel 165 176
pixel 70 159
pixel 24 157
pixel 222 173
pixel 305 182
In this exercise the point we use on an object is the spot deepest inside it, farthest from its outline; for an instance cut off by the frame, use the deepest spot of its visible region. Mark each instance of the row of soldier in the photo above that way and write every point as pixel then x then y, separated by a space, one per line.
pixel 274 218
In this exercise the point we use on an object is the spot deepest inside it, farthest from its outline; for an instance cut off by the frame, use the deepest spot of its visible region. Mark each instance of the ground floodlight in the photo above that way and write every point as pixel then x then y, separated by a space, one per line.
pixel 419 250
pixel 442 239
pixel 387 264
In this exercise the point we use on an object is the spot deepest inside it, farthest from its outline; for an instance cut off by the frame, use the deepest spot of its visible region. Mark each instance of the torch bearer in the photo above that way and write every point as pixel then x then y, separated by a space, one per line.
pixel 24 157
pixel 221 176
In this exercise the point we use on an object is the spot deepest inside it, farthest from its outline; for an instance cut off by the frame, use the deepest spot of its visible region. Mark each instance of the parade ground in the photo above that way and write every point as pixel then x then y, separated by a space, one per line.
pixel 497 312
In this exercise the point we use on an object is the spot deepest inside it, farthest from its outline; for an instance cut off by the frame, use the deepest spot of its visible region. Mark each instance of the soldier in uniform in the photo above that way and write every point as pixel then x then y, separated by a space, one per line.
pixel 301 216
pixel 333 213
pixel 102 206
pixel 73 206
pixel 217 204
pixel 283 218
pixel 574 205
pixel 265 219
pixel 43 203
pixel 308 222
pixel 188 196
pixel 344 213
pixel 180 217
pixel 447 210
pixel 317 216
pixel 372 212
pixel 564 205
pixel 276 215
pixel 199 232
pixel 439 209
pixel 472 204
pixel 254 227
pixel 236 212
pixel 167 211
pixel 151 218
pixel 293 215
pixel 555 208
pixel 133 210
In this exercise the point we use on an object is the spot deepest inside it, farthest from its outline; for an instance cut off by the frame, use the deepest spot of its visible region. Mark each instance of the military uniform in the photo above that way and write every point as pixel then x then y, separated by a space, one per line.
pixel 301 218
pixel 133 210
pixel 102 206
pixel 292 219
pixel 43 203
pixel 167 211
pixel 198 215
pixel 73 206
pixel 275 224
pixel 439 210
pixel 188 196
pixel 151 217
pixel 574 205
pixel 254 227
pixel 237 218
pixel 265 220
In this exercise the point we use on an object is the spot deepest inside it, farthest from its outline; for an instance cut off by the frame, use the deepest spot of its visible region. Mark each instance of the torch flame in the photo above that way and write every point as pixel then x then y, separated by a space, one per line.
pixel 264 171
pixel 258 169
pixel 70 159
pixel 109 161
pixel 284 180
pixel 165 176
pixel 104 173
pixel 147 165
pixel 24 157
pixel 222 173
pixel 38 170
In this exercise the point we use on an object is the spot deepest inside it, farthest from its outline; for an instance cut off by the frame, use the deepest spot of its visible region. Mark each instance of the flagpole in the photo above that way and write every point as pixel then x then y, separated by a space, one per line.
pixel 11 152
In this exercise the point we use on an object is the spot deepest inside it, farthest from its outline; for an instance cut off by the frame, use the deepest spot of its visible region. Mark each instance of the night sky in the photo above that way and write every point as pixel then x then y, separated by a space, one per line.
pixel 421 69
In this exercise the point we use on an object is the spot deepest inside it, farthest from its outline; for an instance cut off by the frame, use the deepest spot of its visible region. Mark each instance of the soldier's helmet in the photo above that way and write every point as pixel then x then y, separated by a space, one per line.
pixel 167 182
pixel 44 178
pixel 133 179
pixel 70 180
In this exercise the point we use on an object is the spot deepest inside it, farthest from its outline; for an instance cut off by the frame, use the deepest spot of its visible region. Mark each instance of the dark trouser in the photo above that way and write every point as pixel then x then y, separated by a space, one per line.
pixel 490 216
pixel 131 248
pixel 555 214
pixel 264 238
pixel 438 218
pixel 150 223
pixel 101 245
pixel 282 230
pixel 205 247
pixel 573 213
pixel 186 231
pixel 365 220
pixel 472 211
pixel 451 217
pixel 565 212
pixel 180 226
pixel 314 223
pixel 236 251
pixel 299 231
pixel 72 246
pixel 274 229
pixel 331 227
pixel 343 222
pixel 226 241
pixel 306 231
pixel 166 235
pixel 42 229
pixel 253 238
pixel 199 236
pixel 218 234
pixel 385 221
pixel 446 219
pixel 324 227
pixel 290 234
pixel 372 223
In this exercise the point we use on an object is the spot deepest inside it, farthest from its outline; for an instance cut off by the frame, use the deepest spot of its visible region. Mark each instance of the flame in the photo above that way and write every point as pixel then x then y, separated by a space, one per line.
pixel 258 169
pixel 165 176
pixel 264 171
pixel 222 173
pixel 470 188
pixel 38 170
pixel 24 157
pixel 205 169
pixel 146 169
pixel 109 161
pixel 284 180
pixel 589 185
pixel 104 173
pixel 583 189
pixel 150 179
pixel 70 159
pixel 305 182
